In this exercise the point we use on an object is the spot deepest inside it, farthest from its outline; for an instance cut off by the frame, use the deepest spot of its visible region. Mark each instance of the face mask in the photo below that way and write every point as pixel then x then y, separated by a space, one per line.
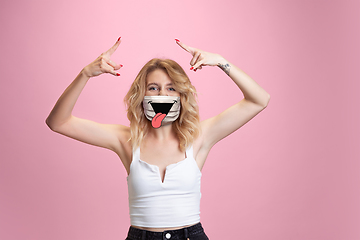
pixel 161 110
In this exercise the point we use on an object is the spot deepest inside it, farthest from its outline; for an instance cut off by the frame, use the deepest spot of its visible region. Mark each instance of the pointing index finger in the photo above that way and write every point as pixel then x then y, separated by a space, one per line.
pixel 185 47
pixel 113 48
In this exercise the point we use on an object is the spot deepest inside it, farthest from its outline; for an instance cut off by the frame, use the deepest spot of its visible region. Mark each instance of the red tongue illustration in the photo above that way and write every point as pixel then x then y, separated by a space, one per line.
pixel 156 121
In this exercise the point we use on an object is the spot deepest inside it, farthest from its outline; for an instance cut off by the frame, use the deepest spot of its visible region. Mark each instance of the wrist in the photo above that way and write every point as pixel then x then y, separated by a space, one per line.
pixel 224 65
pixel 84 73
pixel 221 61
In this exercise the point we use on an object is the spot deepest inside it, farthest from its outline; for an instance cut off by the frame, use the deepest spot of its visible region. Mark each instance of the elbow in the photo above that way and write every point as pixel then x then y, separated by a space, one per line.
pixel 50 124
pixel 47 121
pixel 266 102
pixel 54 124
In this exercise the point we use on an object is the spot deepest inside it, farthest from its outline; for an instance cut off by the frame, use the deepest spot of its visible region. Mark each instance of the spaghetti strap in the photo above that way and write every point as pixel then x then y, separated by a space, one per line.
pixel 189 152
pixel 136 154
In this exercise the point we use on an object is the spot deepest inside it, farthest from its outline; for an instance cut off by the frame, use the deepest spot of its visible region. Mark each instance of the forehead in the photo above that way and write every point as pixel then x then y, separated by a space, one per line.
pixel 158 76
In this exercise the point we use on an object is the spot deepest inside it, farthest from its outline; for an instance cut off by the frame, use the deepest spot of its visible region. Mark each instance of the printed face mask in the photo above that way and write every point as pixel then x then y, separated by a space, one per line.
pixel 161 109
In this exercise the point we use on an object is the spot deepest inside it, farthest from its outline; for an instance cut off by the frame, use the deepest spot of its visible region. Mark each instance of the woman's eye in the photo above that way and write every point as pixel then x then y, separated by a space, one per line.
pixel 152 88
pixel 171 89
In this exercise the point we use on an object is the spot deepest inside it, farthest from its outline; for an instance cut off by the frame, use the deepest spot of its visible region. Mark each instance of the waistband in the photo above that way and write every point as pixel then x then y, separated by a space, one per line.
pixel 183 233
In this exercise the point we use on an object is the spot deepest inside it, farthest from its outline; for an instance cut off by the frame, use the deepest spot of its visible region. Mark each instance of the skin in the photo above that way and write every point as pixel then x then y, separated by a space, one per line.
pixel 115 136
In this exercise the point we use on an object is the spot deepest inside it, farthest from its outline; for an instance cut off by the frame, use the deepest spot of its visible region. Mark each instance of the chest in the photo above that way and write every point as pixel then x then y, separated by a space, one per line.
pixel 162 157
pixel 147 177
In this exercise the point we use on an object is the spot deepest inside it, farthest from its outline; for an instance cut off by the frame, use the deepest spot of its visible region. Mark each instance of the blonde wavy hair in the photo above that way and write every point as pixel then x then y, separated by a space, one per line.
pixel 186 126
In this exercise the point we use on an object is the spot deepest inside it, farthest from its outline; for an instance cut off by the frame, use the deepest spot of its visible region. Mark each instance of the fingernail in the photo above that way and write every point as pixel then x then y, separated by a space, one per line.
pixel 121 65
pixel 195 70
pixel 177 40
pixel 117 74
pixel 191 68
pixel 119 39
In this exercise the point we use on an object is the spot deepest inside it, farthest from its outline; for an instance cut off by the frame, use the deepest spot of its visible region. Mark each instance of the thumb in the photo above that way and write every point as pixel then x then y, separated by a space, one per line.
pixel 198 65
pixel 111 70
pixel 116 74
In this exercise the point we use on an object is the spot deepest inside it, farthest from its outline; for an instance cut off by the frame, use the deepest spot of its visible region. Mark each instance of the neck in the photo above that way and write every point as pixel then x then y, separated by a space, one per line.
pixel 163 133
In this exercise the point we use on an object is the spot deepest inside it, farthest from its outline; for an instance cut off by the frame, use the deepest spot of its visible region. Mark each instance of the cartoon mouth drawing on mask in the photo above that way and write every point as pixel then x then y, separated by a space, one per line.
pixel 161 109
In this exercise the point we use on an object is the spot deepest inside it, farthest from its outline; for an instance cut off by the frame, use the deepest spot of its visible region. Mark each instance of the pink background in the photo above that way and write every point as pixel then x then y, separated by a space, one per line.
pixel 293 172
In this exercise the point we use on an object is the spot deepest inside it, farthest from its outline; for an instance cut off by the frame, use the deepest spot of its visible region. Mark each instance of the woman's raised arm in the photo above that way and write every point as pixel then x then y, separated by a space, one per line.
pixel 255 99
pixel 62 121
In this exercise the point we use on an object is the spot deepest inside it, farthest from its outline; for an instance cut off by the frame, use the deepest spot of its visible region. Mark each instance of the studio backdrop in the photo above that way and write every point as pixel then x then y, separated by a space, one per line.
pixel 292 172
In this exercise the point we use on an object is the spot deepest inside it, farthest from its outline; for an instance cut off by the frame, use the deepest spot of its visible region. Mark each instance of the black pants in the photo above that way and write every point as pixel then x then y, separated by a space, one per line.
pixel 195 232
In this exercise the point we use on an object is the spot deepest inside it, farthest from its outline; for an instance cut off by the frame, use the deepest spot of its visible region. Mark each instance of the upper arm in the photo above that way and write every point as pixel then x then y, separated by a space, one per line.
pixel 98 134
pixel 216 128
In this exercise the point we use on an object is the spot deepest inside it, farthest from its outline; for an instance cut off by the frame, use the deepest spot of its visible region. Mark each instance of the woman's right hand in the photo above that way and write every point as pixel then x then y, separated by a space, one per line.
pixel 103 64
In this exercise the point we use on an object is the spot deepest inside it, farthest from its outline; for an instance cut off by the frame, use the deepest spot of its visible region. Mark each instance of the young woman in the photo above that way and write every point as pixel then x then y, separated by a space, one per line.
pixel 165 147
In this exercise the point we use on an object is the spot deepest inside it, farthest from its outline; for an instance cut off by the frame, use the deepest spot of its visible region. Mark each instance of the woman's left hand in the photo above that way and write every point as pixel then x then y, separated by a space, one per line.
pixel 201 58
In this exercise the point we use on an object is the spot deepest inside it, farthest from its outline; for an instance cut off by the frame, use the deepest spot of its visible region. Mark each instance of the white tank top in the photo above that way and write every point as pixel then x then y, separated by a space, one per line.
pixel 172 203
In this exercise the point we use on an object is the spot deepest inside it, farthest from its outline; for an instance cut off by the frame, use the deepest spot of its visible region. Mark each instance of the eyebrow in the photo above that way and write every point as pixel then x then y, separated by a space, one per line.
pixel 169 84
